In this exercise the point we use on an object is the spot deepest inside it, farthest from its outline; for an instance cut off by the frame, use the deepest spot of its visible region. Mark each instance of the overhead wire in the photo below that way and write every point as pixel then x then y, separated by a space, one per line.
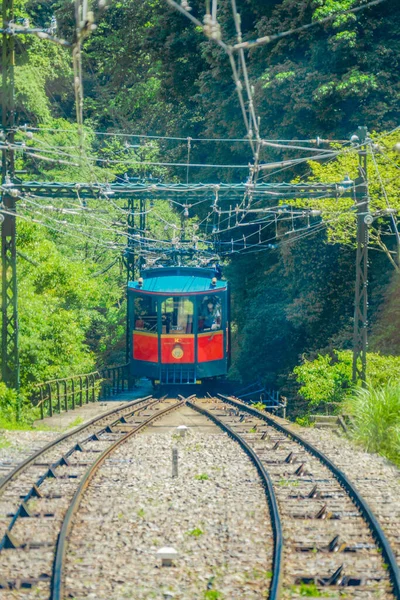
pixel 392 217
pixel 307 232
pixel 66 224
pixel 183 139
pixel 108 228
pixel 250 44
pixel 252 121
pixel 18 215
pixel 139 163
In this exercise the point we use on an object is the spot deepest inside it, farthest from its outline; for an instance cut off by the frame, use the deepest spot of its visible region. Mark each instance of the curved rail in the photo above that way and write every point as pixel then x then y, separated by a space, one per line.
pixel 270 493
pixel 346 484
pixel 24 464
pixel 57 591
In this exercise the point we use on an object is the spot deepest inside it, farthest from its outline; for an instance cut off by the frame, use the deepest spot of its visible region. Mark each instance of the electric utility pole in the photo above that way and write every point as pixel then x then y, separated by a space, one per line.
pixel 130 258
pixel 364 220
pixel 9 302
pixel 9 307
pixel 130 270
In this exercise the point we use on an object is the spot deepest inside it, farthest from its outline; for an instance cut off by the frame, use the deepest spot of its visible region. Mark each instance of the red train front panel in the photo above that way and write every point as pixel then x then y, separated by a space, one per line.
pixel 145 346
pixel 177 349
pixel 210 346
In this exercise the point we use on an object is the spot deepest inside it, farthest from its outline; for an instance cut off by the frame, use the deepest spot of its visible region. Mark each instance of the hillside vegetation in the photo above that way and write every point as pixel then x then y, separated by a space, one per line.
pixel 148 70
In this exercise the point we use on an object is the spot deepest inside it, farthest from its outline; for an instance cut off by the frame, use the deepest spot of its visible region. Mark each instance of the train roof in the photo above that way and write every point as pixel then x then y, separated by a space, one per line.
pixel 183 280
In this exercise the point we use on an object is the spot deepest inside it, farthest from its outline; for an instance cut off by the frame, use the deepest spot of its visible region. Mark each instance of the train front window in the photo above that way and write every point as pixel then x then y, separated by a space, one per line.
pixel 210 313
pixel 146 313
pixel 177 315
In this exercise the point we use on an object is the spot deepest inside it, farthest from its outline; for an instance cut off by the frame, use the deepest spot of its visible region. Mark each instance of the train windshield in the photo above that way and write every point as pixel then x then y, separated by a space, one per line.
pixel 146 313
pixel 177 315
pixel 210 313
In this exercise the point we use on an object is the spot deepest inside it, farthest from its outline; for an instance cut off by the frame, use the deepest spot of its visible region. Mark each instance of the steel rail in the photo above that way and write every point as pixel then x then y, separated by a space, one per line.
pixel 57 590
pixel 24 464
pixel 271 498
pixel 344 481
pixel 61 461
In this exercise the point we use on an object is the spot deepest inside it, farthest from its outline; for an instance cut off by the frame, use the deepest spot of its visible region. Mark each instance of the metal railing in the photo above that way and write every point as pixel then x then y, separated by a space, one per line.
pixel 257 392
pixel 66 394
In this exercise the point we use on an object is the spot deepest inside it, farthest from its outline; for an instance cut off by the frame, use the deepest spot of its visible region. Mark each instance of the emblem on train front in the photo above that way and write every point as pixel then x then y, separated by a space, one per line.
pixel 177 351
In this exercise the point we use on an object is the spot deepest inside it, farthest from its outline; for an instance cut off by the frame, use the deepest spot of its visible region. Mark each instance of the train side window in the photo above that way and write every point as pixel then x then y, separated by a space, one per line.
pixel 177 315
pixel 145 313
pixel 210 313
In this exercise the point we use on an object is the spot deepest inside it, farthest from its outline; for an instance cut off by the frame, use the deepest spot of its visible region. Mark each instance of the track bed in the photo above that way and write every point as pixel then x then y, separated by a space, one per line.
pixel 254 512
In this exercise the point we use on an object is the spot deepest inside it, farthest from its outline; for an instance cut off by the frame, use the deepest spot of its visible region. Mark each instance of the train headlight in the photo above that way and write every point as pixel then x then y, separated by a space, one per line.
pixel 214 281
pixel 140 281
pixel 177 351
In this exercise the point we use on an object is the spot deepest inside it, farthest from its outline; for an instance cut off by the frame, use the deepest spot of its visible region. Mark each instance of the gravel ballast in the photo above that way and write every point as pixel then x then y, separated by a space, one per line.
pixel 16 446
pixel 215 515
pixel 121 528
pixel 375 478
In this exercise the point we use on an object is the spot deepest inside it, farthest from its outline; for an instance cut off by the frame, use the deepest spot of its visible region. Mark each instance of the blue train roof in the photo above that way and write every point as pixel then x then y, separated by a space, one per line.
pixel 186 280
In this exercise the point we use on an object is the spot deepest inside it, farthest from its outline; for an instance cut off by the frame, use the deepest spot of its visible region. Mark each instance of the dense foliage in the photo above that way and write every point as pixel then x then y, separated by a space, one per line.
pixel 328 378
pixel 376 419
pixel 148 70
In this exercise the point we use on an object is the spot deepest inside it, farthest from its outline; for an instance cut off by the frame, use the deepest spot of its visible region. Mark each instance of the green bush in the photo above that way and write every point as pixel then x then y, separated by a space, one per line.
pixel 325 379
pixel 328 378
pixel 376 419
pixel 16 411
pixel 8 404
pixel 382 369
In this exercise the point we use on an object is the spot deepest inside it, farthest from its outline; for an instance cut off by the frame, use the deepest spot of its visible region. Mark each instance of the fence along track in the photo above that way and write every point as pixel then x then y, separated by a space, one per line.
pixel 59 563
pixel 274 589
pixel 40 533
pixel 56 395
pixel 344 482
pixel 31 459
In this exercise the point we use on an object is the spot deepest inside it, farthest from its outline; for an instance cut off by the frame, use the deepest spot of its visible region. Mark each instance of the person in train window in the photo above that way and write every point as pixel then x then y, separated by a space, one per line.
pixel 211 315
pixel 139 323
pixel 166 323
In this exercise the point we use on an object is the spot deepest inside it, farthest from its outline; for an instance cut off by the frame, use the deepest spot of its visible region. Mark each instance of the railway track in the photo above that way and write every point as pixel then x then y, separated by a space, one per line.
pixel 333 543
pixel 9 464
pixel 62 443
pixel 213 512
pixel 326 540
pixel 45 489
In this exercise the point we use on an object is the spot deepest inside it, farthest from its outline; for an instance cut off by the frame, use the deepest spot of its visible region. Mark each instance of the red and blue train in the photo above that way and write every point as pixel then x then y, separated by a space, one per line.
pixel 179 321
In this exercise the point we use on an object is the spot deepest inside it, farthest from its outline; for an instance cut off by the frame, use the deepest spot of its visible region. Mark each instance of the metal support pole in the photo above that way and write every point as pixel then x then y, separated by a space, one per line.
pixel 50 401
pixel 100 388
pixel 58 397
pixel 41 403
pixel 142 225
pixel 9 310
pixel 364 219
pixel 130 270
pixel 114 388
pixel 73 393
pixel 65 384
pixel 80 391
pixel 106 384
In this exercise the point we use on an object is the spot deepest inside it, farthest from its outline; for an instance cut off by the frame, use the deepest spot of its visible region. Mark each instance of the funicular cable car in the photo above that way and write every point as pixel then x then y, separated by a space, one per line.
pixel 179 320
